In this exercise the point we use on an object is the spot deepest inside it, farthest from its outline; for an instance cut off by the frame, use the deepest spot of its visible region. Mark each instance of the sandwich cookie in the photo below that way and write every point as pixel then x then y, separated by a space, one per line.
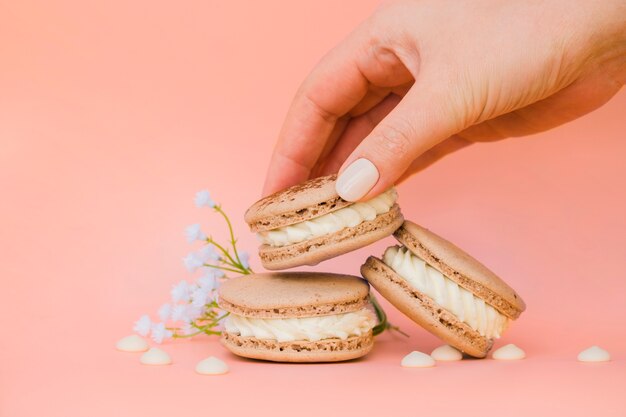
pixel 444 290
pixel 297 317
pixel 309 223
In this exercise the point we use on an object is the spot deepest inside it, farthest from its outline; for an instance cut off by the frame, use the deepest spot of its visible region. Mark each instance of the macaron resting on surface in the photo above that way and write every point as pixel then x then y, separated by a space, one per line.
pixel 297 317
pixel 444 289
pixel 309 223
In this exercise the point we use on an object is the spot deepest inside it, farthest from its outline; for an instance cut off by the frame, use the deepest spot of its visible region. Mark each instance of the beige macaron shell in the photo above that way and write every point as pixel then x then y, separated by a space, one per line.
pixel 312 198
pixel 314 251
pixel 293 294
pixel 423 310
pixel 325 350
pixel 461 268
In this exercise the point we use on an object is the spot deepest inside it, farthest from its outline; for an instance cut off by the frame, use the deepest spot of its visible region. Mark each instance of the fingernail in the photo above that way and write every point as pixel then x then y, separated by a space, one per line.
pixel 356 180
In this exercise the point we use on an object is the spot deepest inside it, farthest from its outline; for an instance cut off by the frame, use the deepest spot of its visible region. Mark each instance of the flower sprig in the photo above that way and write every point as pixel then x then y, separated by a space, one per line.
pixel 193 308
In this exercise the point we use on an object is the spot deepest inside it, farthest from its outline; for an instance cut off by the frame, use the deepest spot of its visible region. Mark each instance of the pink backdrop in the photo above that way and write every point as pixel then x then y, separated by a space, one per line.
pixel 112 114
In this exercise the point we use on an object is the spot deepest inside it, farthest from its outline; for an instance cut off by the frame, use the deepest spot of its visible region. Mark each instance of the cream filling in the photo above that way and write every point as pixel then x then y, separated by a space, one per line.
pixel 340 326
pixel 349 216
pixel 468 308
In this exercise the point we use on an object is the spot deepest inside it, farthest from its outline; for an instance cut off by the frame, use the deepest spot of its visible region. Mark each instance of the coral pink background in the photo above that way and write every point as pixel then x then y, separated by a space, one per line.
pixel 113 114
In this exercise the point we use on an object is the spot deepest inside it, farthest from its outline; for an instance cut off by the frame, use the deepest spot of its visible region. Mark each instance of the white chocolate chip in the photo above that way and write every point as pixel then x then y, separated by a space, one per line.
pixel 155 356
pixel 509 353
pixel 211 366
pixel 132 343
pixel 417 359
pixel 594 354
pixel 446 353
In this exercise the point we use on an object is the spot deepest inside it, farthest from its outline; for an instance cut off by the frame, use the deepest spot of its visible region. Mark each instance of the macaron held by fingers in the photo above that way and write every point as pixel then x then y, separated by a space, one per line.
pixel 444 290
pixel 309 223
pixel 297 317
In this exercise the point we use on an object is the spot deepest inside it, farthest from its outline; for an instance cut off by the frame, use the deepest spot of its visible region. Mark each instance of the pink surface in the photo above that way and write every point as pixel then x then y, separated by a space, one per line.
pixel 112 114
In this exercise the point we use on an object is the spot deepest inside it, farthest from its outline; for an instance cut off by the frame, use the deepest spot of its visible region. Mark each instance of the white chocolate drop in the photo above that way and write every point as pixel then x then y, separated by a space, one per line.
pixel 417 359
pixel 132 343
pixel 155 356
pixel 594 354
pixel 508 352
pixel 446 353
pixel 211 366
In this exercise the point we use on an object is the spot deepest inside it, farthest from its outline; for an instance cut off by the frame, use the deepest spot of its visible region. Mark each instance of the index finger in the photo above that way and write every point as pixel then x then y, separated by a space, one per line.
pixel 330 91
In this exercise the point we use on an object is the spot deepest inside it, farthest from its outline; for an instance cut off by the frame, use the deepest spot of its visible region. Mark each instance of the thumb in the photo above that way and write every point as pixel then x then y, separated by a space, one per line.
pixel 420 121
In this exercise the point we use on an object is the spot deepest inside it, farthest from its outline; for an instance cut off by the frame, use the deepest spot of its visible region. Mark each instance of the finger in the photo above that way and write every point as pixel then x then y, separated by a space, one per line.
pixel 338 131
pixel 373 97
pixel 329 92
pixel 355 132
pixel 372 107
pixel 421 120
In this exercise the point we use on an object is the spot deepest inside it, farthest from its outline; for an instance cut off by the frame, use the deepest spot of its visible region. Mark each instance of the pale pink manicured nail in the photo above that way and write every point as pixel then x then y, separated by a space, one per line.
pixel 357 180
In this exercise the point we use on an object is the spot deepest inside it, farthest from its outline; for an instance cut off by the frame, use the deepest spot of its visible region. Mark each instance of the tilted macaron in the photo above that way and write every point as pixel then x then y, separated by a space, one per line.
pixel 309 223
pixel 297 317
pixel 444 289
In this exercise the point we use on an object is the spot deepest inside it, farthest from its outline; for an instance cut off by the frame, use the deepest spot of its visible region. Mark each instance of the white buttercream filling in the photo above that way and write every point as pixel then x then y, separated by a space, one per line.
pixel 349 216
pixel 340 326
pixel 468 308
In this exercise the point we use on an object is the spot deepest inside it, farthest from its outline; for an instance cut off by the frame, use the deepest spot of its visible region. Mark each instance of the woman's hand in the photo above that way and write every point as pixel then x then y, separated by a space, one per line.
pixel 420 79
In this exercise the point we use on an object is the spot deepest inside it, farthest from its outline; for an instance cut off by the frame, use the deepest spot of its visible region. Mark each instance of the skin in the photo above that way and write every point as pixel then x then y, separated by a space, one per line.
pixel 420 79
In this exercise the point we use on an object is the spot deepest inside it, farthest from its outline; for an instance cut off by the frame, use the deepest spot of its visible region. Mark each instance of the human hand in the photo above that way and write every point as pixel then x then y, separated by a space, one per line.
pixel 420 79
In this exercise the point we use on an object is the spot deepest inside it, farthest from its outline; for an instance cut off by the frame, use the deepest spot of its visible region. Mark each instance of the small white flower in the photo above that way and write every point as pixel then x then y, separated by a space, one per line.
pixel 142 326
pixel 207 253
pixel 244 257
pixel 180 292
pixel 199 297
pixel 193 312
pixel 208 272
pixel 213 272
pixel 208 282
pixel 160 333
pixel 179 312
pixel 165 311
pixel 203 198
pixel 192 262
pixel 193 233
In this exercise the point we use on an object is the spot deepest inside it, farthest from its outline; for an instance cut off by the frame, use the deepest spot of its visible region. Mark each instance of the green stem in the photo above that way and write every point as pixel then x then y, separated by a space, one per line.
pixel 226 262
pixel 380 315
pixel 202 330
pixel 233 241
pixel 222 316
pixel 182 336
pixel 397 329
pixel 222 268
pixel 383 323
pixel 224 251
pixel 207 316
